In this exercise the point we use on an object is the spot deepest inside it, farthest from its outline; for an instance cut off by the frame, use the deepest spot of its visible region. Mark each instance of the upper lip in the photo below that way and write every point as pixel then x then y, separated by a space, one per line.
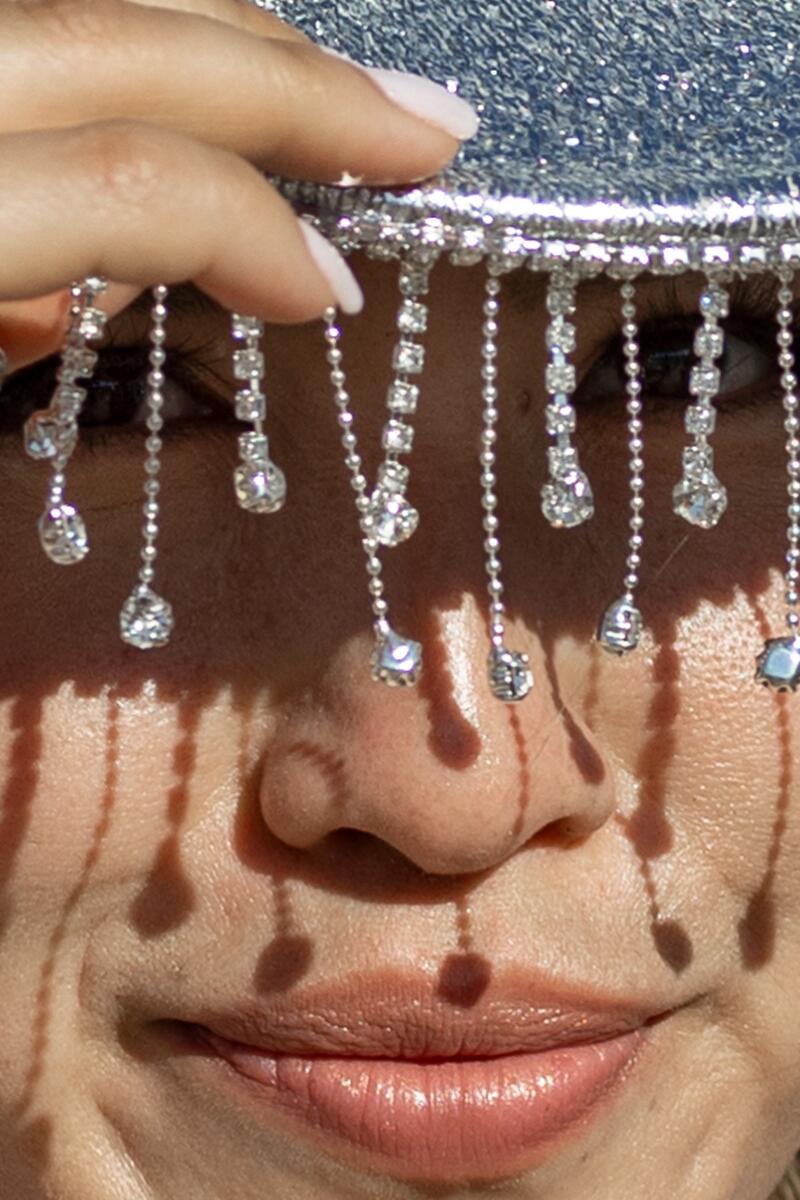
pixel 389 1014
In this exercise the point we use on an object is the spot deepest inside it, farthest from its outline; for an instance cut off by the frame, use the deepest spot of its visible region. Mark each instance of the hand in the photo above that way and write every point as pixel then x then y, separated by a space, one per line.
pixel 133 138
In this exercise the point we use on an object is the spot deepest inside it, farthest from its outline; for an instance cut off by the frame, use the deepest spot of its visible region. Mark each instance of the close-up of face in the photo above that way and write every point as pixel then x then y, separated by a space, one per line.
pixel 270 928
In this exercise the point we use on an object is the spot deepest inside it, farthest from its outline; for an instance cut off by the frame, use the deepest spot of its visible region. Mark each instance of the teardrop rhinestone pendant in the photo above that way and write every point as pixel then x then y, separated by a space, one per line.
pixel 396 660
pixel 146 620
pixel 620 627
pixel 63 534
pixel 510 676
pixel 699 498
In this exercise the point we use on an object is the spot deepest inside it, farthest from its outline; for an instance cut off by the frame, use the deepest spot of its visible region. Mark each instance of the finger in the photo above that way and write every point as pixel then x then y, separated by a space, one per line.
pixel 140 204
pixel 238 13
pixel 282 104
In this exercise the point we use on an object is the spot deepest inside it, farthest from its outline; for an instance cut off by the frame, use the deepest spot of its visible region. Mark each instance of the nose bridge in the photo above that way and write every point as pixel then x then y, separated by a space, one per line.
pixel 444 772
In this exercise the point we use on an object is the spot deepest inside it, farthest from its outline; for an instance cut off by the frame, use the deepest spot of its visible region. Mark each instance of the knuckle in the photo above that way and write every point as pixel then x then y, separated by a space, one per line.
pixel 126 162
pixel 85 25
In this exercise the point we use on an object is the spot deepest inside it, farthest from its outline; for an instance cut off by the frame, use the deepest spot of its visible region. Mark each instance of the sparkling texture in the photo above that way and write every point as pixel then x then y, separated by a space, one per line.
pixel 700 418
pixel 700 499
pixel 393 476
pixel 394 519
pixel 243 327
pixel 709 342
pixel 62 533
pixel 620 627
pixel 593 105
pixel 560 377
pixel 260 488
pixel 778 664
pixel 559 419
pixel 45 435
pixel 396 660
pixel 146 620
pixel 250 406
pixel 568 501
pixel 247 363
pixel 397 437
pixel 413 317
pixel 403 397
pixel 254 448
pixel 510 677
pixel 704 381
pixel 409 358
pixel 68 399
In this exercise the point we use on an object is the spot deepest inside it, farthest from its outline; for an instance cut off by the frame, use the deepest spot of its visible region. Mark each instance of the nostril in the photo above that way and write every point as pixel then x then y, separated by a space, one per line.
pixel 565 834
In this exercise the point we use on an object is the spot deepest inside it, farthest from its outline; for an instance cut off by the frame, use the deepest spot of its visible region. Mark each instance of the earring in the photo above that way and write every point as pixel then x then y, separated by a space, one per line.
pixel 52 433
pixel 146 620
pixel 509 675
pixel 567 498
pixel 621 624
pixel 700 498
pixel 260 485
pixel 385 516
pixel 778 664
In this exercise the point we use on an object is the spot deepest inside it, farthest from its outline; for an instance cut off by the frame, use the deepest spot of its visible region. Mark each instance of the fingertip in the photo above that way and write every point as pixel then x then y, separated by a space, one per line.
pixel 337 274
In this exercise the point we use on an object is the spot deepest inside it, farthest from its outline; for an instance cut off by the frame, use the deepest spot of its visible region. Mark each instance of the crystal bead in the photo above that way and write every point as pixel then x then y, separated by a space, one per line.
pixel 562 459
pixel 247 363
pixel 700 418
pixel 408 357
pixel 79 360
pixel 709 341
pixel 393 477
pixel 250 406
pixel 559 419
pixel 704 380
pixel 92 323
pixel 243 327
pixel 254 448
pixel 560 377
pixel 510 677
pixel 561 335
pixel 396 660
pixel 69 399
pixel 470 248
pixel 620 627
pixel 413 317
pixel 697 461
pixel 714 303
pixel 403 397
pixel 62 533
pixel 700 499
pixel 397 437
pixel 393 518
pixel 413 281
pixel 778 664
pixel 560 301
pixel 45 435
pixel 146 620
pixel 567 500
pixel 260 488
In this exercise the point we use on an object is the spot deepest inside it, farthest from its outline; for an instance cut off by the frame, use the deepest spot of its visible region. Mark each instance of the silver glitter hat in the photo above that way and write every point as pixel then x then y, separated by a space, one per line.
pixel 664 133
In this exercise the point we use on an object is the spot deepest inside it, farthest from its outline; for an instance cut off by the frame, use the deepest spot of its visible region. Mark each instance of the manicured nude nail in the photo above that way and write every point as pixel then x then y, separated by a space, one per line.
pixel 428 101
pixel 344 286
pixel 423 98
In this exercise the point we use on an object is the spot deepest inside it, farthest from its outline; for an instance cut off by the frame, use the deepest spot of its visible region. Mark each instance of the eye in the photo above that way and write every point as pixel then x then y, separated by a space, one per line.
pixel 117 393
pixel 748 365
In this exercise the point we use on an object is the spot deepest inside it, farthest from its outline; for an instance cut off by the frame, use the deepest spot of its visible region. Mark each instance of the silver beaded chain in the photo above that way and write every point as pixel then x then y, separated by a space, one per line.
pixel 509 676
pixel 791 424
pixel 146 620
pixel 259 485
pixel 396 661
pixel 621 624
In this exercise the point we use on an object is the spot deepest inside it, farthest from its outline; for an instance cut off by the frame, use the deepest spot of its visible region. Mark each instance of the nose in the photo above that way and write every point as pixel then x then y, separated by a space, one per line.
pixel 445 773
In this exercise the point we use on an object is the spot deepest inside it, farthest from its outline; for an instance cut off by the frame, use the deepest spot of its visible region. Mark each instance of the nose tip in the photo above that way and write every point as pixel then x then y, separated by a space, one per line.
pixel 455 785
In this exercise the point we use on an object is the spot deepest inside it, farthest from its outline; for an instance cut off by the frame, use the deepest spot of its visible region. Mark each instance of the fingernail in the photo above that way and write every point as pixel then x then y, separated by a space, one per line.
pixel 343 283
pixel 422 98
pixel 427 100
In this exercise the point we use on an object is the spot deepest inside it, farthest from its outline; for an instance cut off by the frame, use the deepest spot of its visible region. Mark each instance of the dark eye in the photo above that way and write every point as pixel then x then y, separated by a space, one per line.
pixel 748 364
pixel 116 395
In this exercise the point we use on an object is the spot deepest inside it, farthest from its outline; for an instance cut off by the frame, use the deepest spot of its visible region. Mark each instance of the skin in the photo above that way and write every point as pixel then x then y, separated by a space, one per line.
pixel 168 821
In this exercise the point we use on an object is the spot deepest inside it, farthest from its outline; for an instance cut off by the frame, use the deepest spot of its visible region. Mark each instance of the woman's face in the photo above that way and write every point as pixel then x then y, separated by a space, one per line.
pixel 245 824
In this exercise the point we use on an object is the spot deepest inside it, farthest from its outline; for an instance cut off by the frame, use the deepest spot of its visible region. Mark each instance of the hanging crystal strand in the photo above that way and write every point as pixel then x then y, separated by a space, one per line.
pixel 621 624
pixel 146 620
pixel 700 498
pixel 778 664
pixel 391 519
pixel 259 485
pixel 567 498
pixel 52 433
pixel 509 675
pixel 396 660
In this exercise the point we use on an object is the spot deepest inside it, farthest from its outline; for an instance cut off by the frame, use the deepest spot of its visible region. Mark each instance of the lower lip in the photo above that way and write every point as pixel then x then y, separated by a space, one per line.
pixel 438 1121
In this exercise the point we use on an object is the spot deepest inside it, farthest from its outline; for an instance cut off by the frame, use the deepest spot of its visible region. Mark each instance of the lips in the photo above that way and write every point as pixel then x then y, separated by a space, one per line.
pixel 387 1076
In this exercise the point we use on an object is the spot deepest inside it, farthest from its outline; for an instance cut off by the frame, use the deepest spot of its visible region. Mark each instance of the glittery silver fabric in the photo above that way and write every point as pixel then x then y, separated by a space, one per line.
pixel 653 122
